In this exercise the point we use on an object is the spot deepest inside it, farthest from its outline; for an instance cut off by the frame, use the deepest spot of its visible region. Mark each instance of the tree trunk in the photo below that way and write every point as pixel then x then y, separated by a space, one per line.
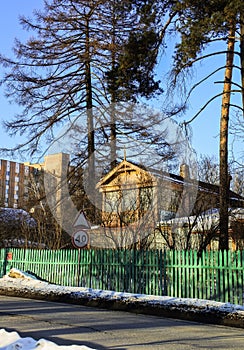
pixel 90 128
pixel 113 134
pixel 242 58
pixel 224 181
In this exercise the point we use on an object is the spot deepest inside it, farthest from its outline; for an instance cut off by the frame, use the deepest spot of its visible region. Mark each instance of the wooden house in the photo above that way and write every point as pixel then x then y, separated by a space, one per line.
pixel 139 204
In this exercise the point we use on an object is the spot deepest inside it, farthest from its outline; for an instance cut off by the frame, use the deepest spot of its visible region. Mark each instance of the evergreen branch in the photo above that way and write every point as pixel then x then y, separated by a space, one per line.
pixel 201 81
pixel 207 103
pixel 200 111
pixel 197 59
pixel 236 106
pixel 233 83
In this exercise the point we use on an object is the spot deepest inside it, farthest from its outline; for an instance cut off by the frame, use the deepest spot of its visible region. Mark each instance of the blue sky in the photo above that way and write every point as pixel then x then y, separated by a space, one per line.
pixel 9 30
pixel 205 127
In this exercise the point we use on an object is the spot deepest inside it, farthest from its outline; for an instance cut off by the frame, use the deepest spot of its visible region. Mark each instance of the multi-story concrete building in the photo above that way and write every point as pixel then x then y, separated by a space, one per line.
pixel 15 178
pixel 54 170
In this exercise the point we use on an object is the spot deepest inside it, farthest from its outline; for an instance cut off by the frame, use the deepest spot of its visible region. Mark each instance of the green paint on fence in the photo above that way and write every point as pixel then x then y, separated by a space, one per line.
pixel 215 275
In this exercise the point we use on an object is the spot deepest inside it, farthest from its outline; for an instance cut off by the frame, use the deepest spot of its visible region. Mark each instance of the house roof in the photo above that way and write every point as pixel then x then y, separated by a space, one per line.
pixel 122 167
pixel 126 166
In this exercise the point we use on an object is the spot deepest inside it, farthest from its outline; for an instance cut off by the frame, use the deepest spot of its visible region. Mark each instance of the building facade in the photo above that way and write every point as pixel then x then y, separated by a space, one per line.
pixel 159 209
pixel 15 178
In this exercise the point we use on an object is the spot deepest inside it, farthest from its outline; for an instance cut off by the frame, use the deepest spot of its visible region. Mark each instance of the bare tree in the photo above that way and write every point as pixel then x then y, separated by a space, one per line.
pixel 208 169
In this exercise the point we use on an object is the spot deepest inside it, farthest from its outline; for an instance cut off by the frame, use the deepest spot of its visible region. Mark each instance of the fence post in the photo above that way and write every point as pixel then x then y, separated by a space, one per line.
pixel 7 261
pixel 79 268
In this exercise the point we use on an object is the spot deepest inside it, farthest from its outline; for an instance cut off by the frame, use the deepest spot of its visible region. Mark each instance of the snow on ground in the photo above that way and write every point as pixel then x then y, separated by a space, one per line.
pixel 10 216
pixel 12 341
pixel 25 281
pixel 29 286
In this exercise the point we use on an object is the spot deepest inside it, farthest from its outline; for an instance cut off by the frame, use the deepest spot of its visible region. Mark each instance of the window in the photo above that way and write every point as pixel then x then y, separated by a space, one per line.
pixel 112 200
pixel 146 195
pixel 175 200
pixel 169 200
pixel 121 201
pixel 129 199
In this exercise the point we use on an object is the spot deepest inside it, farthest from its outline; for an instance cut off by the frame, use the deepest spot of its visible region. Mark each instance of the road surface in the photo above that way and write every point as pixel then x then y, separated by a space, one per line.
pixel 67 324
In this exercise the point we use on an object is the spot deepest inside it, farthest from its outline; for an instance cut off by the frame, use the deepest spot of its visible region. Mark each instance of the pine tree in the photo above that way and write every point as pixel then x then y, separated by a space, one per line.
pixel 201 24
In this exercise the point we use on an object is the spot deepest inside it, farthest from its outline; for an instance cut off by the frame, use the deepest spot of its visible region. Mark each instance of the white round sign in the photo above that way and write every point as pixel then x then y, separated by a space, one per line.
pixel 80 239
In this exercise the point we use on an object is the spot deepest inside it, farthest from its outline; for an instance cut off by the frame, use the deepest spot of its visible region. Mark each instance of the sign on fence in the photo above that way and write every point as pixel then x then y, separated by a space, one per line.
pixel 81 221
pixel 80 237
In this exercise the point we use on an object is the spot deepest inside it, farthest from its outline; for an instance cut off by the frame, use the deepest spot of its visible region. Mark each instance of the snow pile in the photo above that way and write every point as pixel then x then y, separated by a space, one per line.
pixel 18 216
pixel 25 285
pixel 17 279
pixel 16 273
pixel 12 341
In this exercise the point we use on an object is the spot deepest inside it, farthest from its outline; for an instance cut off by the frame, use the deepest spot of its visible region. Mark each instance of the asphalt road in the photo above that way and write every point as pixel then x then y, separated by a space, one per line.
pixel 67 324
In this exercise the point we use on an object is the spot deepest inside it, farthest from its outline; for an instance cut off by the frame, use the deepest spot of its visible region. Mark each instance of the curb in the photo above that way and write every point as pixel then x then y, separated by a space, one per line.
pixel 184 309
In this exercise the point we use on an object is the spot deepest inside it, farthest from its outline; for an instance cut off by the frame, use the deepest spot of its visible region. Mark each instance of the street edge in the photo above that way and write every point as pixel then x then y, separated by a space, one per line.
pixel 167 309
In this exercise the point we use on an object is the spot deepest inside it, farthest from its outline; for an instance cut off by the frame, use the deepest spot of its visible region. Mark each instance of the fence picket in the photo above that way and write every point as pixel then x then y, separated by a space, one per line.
pixel 241 270
pixel 204 273
pixel 208 275
pixel 216 276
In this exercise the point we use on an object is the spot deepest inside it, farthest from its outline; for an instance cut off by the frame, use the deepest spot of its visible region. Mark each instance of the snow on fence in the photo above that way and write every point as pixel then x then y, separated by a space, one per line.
pixel 215 276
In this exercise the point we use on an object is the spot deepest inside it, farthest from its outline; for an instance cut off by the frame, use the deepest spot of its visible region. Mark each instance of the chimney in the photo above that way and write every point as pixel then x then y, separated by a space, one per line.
pixel 184 171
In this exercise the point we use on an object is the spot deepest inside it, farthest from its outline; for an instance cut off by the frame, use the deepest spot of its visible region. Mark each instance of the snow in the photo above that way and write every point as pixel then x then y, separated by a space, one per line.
pixel 17 280
pixel 12 341
pixel 16 215
pixel 206 220
pixel 25 281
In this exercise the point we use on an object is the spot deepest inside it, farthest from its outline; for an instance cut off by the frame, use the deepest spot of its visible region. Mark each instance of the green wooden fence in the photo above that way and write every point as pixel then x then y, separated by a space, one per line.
pixel 215 276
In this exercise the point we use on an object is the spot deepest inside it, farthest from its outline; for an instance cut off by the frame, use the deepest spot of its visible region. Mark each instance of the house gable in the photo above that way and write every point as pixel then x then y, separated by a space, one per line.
pixel 125 174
